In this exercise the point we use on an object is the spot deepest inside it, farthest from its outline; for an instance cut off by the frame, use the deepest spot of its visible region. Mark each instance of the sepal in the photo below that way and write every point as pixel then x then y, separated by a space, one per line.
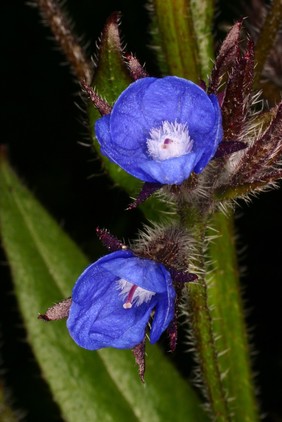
pixel 237 94
pixel 109 241
pixel 226 58
pixel 260 157
pixel 146 191
pixel 139 356
pixel 136 70
pixel 58 311
pixel 99 103
pixel 228 147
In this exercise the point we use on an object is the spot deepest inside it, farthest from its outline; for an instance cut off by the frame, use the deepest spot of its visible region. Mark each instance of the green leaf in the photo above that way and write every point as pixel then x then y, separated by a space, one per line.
pixel 183 30
pixel 203 14
pixel 174 29
pixel 88 386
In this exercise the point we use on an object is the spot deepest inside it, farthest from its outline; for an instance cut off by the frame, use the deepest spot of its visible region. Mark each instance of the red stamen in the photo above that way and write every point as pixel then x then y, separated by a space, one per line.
pixel 128 303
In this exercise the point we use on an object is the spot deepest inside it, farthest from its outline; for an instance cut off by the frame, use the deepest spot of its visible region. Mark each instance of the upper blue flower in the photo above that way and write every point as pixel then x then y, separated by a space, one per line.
pixel 161 129
pixel 113 300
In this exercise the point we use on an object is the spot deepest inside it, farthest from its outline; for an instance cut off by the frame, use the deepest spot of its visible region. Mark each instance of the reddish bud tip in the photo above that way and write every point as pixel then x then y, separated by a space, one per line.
pixel 109 241
pixel 102 106
pixel 136 69
pixel 147 190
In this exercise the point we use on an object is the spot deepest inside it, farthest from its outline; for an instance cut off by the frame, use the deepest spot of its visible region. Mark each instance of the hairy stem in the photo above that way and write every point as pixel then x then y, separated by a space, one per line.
pixel 202 333
pixel 202 327
pixel 228 323
pixel 62 30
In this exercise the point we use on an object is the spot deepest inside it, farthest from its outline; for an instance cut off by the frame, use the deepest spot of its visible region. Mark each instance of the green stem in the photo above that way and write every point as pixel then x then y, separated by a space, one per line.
pixel 200 318
pixel 218 326
pixel 228 321
pixel 201 325
pixel 216 315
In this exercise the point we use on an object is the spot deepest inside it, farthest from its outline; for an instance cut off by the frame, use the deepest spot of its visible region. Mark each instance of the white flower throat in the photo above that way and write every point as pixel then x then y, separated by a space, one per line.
pixel 169 140
pixel 132 294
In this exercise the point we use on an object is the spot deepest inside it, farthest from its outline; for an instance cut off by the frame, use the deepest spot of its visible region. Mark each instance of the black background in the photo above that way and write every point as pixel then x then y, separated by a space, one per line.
pixel 43 129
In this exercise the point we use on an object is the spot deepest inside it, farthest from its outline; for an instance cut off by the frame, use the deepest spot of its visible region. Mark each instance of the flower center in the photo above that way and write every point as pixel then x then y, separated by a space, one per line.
pixel 169 140
pixel 132 294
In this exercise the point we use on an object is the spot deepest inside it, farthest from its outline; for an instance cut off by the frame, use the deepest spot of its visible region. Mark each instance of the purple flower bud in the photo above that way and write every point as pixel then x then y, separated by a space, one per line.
pixel 114 298
pixel 161 129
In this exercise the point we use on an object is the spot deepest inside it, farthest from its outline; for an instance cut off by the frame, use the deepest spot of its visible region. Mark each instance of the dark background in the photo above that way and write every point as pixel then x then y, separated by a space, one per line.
pixel 43 129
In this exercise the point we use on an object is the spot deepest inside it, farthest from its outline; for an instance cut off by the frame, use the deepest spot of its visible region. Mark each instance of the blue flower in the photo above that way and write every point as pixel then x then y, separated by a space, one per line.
pixel 161 129
pixel 114 298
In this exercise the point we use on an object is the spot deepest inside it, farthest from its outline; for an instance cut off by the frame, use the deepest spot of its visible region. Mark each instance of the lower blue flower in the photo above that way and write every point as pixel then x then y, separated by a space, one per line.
pixel 114 298
pixel 161 129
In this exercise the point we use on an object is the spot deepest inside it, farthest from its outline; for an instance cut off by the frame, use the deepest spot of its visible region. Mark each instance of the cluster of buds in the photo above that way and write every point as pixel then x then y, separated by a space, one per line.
pixel 258 164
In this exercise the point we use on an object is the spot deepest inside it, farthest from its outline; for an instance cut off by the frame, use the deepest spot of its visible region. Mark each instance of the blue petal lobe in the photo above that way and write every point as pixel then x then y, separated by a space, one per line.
pixel 145 105
pixel 214 138
pixel 144 273
pixel 97 318
pixel 164 313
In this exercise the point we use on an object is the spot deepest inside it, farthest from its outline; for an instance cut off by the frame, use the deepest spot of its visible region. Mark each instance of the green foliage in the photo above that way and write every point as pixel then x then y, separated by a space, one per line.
pixel 89 386
pixel 174 29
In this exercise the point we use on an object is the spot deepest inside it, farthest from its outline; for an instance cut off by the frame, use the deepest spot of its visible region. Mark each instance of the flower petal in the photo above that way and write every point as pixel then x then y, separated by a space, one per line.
pixel 215 137
pixel 144 273
pixel 144 106
pixel 164 313
pixel 97 317
pixel 171 172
